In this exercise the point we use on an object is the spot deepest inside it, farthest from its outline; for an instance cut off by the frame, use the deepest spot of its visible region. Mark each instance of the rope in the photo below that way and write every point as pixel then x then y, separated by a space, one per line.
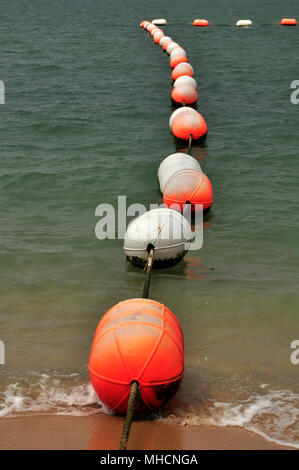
pixel 148 270
pixel 190 143
pixel 129 416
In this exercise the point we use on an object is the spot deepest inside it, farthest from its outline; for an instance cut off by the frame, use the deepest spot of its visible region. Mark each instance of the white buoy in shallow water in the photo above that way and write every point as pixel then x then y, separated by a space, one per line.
pixel 178 111
pixel 165 230
pixel 244 23
pixel 185 80
pixel 160 21
pixel 173 163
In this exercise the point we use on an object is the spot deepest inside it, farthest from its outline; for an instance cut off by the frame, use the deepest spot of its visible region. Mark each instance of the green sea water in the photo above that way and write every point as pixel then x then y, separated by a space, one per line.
pixel 85 119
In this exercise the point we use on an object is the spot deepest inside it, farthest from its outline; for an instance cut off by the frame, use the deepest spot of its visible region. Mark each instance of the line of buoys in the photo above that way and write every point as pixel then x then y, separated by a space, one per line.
pixel 204 23
pixel 137 357
pixel 184 182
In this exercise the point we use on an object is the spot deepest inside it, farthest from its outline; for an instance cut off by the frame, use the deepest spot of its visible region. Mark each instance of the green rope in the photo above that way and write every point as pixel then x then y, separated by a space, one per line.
pixel 129 416
pixel 148 270
pixel 190 144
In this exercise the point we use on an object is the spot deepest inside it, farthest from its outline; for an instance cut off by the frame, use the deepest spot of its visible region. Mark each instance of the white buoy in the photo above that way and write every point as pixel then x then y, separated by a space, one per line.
pixel 185 80
pixel 164 229
pixel 177 51
pixel 171 46
pixel 160 21
pixel 244 23
pixel 173 163
pixel 162 40
pixel 178 111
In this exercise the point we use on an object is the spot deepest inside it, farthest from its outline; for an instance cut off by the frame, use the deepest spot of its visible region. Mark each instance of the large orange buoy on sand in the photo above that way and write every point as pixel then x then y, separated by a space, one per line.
pixel 137 340
pixel 188 123
pixel 184 94
pixel 183 68
pixel 177 59
pixel 198 22
pixel 188 187
pixel 288 22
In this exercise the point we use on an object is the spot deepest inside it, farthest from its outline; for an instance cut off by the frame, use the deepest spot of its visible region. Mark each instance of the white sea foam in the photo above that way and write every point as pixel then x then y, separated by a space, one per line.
pixel 274 416
pixel 45 394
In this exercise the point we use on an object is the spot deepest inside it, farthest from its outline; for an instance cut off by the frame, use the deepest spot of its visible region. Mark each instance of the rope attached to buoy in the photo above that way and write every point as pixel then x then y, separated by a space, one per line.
pixel 129 416
pixel 190 143
pixel 148 270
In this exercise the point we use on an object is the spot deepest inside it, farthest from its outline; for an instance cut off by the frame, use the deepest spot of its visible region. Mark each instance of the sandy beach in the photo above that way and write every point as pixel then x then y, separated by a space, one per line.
pixel 100 432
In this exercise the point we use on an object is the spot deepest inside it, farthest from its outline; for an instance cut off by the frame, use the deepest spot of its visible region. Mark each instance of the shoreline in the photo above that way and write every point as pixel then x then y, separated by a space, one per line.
pixel 102 432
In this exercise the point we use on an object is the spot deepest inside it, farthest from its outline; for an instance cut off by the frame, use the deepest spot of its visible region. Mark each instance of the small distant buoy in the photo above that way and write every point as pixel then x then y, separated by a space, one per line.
pixel 189 123
pixel 146 24
pixel 157 37
pixel 171 46
pixel 244 23
pixel 160 21
pixel 166 44
pixel 176 60
pixel 185 80
pixel 184 94
pixel 142 24
pixel 173 163
pixel 162 230
pixel 151 27
pixel 177 51
pixel 156 30
pixel 288 22
pixel 164 39
pixel 137 340
pixel 198 22
pixel 182 69
pixel 188 187
pixel 178 111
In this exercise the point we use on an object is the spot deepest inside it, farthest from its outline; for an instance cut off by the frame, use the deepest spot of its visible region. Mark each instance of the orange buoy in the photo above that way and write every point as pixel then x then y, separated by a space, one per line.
pixel 188 187
pixel 142 24
pixel 177 59
pixel 137 340
pixel 188 123
pixel 198 22
pixel 182 69
pixel 184 94
pixel 288 22
pixel 157 37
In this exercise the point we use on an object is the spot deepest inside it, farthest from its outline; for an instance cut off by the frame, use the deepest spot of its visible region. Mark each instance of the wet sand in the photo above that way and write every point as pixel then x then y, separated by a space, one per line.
pixel 100 432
